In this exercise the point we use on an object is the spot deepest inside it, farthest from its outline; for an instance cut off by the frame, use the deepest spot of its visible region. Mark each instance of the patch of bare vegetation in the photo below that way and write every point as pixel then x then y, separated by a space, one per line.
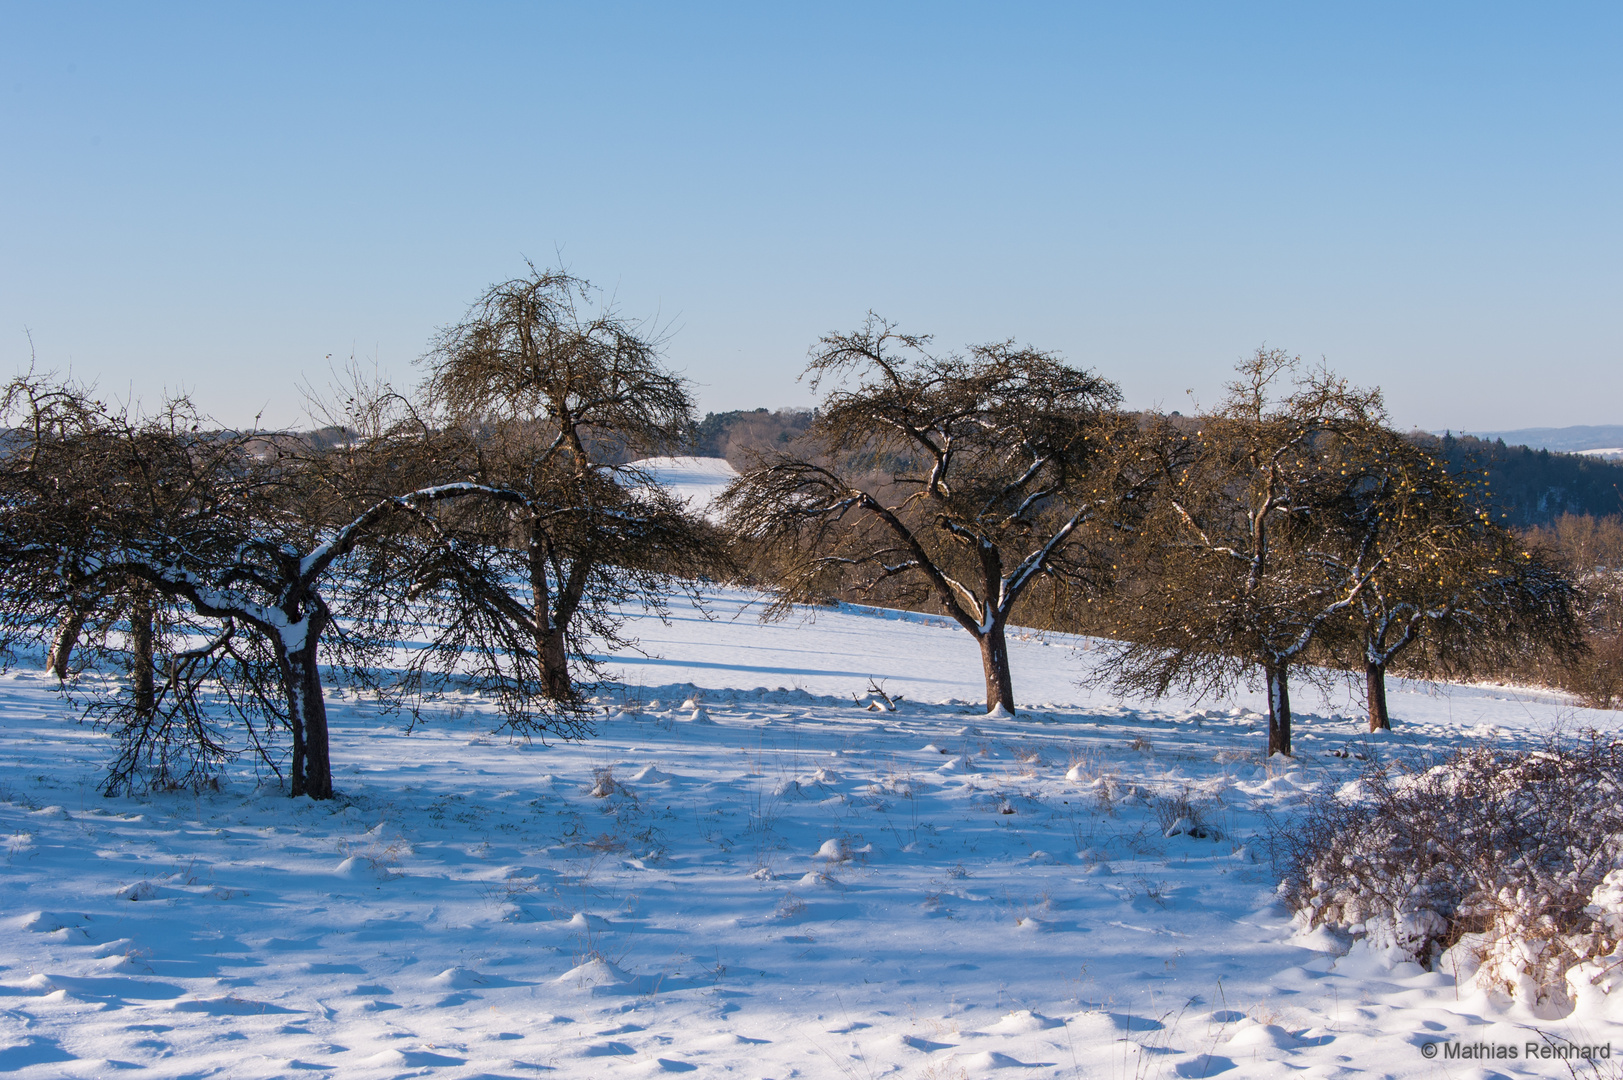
pixel 1494 864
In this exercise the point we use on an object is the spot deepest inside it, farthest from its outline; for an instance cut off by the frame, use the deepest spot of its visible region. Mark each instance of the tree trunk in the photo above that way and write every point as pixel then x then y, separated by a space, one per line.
pixel 550 653
pixel 995 661
pixel 554 661
pixel 1375 684
pixel 141 670
pixel 1279 709
pixel 312 761
pixel 292 686
pixel 67 636
pixel 307 710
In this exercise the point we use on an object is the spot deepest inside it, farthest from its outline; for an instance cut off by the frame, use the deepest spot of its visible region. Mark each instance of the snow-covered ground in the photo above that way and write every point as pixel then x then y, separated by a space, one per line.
pixel 749 872
pixel 695 480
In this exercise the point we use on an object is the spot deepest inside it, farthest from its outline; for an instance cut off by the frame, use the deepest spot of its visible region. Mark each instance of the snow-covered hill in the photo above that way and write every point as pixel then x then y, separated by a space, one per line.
pixel 755 870
pixel 695 480
pixel 1568 440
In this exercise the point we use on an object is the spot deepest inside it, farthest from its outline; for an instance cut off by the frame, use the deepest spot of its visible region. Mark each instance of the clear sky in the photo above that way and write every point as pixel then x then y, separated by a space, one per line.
pixel 218 196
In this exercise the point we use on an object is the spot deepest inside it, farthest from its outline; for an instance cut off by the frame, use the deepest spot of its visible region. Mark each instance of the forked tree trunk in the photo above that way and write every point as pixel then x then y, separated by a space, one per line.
pixel 67 636
pixel 1279 709
pixel 142 688
pixel 995 661
pixel 1375 685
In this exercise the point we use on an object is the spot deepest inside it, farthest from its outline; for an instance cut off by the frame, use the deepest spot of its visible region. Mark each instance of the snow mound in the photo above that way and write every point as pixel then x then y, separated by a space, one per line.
pixel 1187 827
pixel 38 984
pixel 650 774
pixel 122 962
pixel 411 1059
pixel 48 922
pixel 458 978
pixel 583 921
pixel 834 850
pixel 386 1059
pixel 229 1005
pixel 1249 1032
pixel 659 1067
pixel 596 972
pixel 990 1059
pixel 1322 939
pixel 138 890
pixel 604 785
pixel 1023 1022
pixel 518 913
pixel 361 868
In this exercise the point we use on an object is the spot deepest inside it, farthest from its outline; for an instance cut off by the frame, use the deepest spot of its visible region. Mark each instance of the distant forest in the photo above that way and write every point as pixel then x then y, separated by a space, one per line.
pixel 1533 487
pixel 1525 487
pixel 733 435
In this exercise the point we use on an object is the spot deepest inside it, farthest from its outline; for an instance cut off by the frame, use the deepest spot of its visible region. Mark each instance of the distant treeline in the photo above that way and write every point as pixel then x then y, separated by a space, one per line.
pixel 1528 487
pixel 732 435
pixel 1525 488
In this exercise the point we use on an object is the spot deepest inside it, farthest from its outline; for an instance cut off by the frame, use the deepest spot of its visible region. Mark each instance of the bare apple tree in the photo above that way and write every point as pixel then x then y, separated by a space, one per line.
pixel 958 479
pixel 1453 593
pixel 549 399
pixel 226 525
pixel 1241 563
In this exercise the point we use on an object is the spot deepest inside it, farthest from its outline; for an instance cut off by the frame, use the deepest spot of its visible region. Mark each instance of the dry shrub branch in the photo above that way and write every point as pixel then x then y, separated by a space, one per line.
pixel 1490 862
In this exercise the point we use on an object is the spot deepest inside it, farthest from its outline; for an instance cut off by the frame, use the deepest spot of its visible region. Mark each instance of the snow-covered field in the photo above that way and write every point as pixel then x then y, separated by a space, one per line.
pixel 695 480
pixel 748 872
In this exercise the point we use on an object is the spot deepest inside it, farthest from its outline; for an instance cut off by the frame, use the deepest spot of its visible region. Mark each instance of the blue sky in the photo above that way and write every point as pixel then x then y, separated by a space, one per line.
pixel 217 197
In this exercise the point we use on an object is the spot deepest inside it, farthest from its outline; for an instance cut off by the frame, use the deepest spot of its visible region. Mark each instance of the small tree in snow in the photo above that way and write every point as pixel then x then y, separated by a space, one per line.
pixel 962 479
